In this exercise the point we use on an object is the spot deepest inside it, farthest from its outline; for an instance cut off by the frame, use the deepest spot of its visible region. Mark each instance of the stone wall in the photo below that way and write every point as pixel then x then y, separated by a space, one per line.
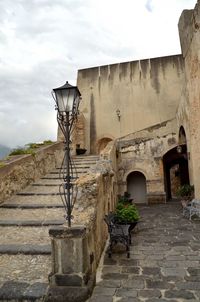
pixel 189 30
pixel 143 151
pixel 19 171
pixel 78 135
pixel 146 92
pixel 97 196
pixel 77 250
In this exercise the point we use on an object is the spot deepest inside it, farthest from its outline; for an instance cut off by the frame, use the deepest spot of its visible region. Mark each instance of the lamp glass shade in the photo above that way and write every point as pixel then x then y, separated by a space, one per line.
pixel 66 97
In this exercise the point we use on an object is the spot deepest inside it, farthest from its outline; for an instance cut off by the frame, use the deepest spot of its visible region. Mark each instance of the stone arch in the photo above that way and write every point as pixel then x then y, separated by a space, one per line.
pixel 176 173
pixel 136 186
pixel 102 143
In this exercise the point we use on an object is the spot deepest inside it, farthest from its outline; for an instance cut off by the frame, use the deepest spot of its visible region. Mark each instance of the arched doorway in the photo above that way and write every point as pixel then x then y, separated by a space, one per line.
pixel 175 163
pixel 102 143
pixel 136 187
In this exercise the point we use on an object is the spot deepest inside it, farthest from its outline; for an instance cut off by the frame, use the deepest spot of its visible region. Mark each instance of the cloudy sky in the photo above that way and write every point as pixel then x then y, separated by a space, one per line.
pixel 44 42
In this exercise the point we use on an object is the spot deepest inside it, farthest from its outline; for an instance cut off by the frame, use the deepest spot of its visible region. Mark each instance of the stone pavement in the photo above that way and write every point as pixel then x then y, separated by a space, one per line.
pixel 164 264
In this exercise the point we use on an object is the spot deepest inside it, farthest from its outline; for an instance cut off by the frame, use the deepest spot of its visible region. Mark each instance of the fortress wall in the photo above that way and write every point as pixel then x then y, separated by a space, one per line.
pixel 146 92
pixel 189 30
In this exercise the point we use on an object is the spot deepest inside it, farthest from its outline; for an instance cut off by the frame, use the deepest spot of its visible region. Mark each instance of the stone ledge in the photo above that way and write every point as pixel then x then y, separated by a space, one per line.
pixel 26 249
pixel 30 206
pixel 45 185
pixel 68 280
pixel 64 231
pixel 70 293
pixel 39 194
pixel 19 291
pixel 30 222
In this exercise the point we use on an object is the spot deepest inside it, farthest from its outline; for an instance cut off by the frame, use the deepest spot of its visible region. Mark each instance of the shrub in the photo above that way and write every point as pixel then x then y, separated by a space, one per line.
pixel 48 142
pixel 126 213
pixel 125 198
pixel 29 148
pixel 185 191
pixel 19 151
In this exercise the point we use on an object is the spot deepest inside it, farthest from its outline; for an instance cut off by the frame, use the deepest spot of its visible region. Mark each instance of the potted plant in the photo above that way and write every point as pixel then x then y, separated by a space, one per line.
pixel 79 150
pixel 186 192
pixel 127 214
pixel 125 199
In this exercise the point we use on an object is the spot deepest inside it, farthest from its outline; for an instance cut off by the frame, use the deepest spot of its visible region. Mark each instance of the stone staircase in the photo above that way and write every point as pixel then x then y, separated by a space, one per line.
pixel 25 250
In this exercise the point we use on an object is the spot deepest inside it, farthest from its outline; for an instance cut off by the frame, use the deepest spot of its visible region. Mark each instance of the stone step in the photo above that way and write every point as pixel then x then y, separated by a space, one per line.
pixel 15 291
pixel 30 206
pixel 38 190
pixel 34 235
pixel 54 177
pixel 33 214
pixel 24 277
pixel 81 171
pixel 26 249
pixel 32 199
pixel 25 245
pixel 39 194
pixel 85 157
pixel 25 223
pixel 46 184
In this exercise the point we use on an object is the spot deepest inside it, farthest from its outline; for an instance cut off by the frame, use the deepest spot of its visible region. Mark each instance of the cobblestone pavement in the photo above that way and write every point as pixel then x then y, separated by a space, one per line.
pixel 164 264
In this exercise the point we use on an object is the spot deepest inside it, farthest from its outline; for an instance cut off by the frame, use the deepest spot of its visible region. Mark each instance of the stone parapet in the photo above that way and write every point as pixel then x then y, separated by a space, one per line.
pixel 71 274
pixel 185 30
pixel 19 171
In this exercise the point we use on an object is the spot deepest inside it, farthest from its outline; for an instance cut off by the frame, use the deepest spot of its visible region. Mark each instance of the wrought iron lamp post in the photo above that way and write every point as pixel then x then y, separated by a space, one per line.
pixel 67 98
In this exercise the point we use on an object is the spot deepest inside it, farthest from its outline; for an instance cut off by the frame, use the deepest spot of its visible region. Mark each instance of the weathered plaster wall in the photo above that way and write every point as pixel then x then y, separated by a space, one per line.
pixel 143 151
pixel 189 30
pixel 78 134
pixel 22 170
pixel 146 92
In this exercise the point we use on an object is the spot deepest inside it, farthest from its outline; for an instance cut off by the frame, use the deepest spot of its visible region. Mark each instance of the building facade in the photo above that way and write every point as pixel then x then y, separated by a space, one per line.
pixel 149 108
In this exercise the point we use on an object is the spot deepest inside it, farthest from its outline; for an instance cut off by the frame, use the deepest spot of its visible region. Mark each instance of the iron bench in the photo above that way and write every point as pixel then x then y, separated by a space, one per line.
pixel 118 233
pixel 191 209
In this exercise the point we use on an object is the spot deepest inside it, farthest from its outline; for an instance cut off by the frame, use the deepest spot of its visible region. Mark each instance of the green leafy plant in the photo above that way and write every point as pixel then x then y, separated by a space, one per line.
pixel 19 151
pixel 29 148
pixel 48 142
pixel 32 146
pixel 185 191
pixel 2 164
pixel 125 199
pixel 126 213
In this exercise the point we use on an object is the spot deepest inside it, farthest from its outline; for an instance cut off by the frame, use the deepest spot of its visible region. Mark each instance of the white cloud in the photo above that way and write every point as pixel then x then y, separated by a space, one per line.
pixel 44 42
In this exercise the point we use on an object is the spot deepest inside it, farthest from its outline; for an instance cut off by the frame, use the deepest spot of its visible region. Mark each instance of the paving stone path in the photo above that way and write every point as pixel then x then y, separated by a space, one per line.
pixel 164 263
pixel 25 250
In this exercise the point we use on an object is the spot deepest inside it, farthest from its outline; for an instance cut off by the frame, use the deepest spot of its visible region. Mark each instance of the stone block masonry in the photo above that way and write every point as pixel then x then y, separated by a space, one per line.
pixel 25 169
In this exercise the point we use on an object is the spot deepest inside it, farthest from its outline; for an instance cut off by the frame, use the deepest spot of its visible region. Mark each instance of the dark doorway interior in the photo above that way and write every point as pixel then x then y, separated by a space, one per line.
pixel 176 173
pixel 136 186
